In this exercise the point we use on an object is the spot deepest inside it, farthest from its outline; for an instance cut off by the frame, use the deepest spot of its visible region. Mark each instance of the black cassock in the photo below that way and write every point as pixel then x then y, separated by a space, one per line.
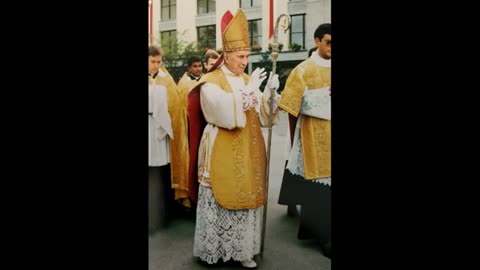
pixel 315 201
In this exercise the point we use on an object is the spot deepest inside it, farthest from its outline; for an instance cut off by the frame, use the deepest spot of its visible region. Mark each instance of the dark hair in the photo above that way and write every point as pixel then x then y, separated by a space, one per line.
pixel 311 51
pixel 192 59
pixel 154 51
pixel 211 54
pixel 323 29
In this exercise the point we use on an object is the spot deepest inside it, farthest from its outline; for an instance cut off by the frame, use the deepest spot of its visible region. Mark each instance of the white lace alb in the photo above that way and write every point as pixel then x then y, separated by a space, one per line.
pixel 223 233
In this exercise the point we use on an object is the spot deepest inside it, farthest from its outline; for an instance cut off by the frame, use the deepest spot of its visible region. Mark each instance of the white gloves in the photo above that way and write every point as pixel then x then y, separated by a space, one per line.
pixel 272 82
pixel 256 79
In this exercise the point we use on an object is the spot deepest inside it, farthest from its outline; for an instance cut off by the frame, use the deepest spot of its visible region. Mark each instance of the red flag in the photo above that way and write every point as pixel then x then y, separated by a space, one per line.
pixel 150 6
pixel 270 32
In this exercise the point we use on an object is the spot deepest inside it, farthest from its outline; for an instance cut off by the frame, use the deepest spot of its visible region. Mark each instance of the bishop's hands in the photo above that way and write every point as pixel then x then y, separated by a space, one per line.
pixel 256 79
pixel 272 85
pixel 249 98
pixel 270 91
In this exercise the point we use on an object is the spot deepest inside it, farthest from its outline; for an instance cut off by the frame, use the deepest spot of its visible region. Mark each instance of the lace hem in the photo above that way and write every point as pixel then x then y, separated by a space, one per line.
pixel 325 181
pixel 225 234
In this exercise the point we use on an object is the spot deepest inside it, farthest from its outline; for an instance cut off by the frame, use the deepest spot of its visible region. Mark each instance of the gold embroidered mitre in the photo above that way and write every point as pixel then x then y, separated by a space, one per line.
pixel 235 32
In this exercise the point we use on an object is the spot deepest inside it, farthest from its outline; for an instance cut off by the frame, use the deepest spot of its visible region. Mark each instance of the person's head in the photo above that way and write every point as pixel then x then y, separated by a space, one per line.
pixel 236 61
pixel 210 58
pixel 323 40
pixel 311 51
pixel 235 42
pixel 155 55
pixel 195 65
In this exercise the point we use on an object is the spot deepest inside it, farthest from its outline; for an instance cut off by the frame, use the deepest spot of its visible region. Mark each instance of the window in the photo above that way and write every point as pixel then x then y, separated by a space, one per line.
pixel 206 37
pixel 249 3
pixel 297 32
pixel 168 40
pixel 255 32
pixel 169 10
pixel 205 6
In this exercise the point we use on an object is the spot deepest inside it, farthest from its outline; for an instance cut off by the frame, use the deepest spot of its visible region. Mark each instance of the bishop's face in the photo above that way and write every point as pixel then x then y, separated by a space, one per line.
pixel 236 61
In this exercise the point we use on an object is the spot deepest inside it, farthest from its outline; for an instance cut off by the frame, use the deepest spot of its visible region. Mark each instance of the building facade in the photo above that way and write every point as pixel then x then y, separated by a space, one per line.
pixel 198 21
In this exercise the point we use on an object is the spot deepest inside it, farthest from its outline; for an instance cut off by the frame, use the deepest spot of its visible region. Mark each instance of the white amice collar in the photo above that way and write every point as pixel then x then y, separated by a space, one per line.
pixel 319 60
pixel 196 77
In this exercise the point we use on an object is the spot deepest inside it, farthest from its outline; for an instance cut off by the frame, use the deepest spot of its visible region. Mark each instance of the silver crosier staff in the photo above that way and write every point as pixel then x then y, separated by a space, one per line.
pixel 285 24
